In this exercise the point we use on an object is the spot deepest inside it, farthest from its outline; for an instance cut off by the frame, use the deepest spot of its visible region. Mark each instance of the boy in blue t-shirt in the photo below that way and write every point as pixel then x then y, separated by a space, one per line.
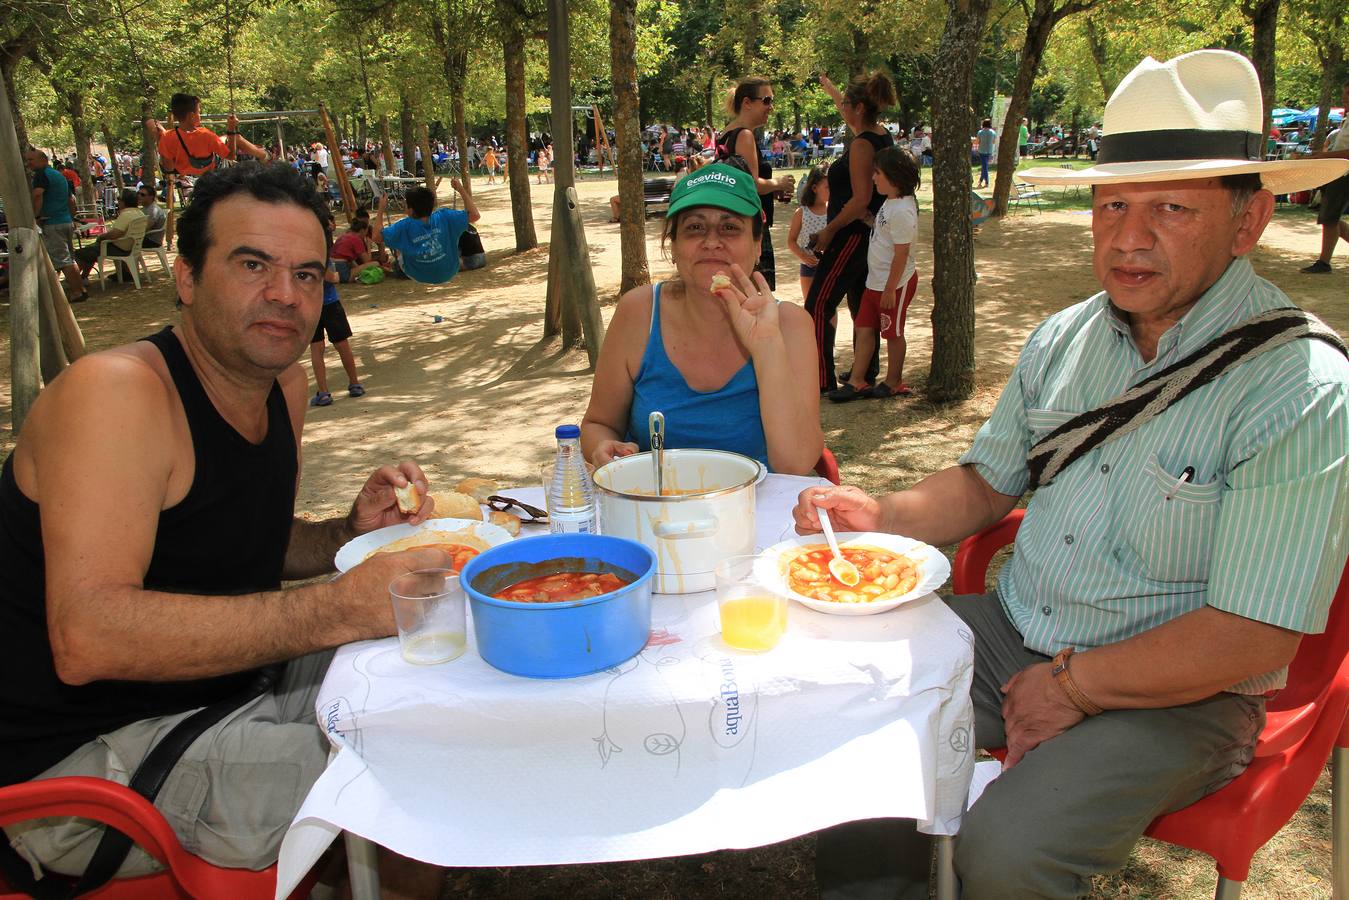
pixel 427 241
pixel 334 321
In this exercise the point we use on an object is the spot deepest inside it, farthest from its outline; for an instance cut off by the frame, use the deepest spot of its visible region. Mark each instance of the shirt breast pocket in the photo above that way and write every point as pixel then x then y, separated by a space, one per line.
pixel 1171 528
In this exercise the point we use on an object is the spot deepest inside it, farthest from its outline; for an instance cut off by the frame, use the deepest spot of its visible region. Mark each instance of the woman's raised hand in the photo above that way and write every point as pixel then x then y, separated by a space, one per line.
pixel 751 307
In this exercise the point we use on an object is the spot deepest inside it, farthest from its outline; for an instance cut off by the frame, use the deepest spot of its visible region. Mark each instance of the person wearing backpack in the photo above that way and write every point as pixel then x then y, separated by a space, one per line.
pixel 191 149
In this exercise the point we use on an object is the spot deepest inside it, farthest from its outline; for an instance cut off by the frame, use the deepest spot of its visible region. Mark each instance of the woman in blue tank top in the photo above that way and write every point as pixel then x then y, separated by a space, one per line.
pixel 731 369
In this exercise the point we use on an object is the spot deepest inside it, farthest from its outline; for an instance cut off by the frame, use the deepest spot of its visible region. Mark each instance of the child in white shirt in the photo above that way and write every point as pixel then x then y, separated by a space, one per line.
pixel 892 278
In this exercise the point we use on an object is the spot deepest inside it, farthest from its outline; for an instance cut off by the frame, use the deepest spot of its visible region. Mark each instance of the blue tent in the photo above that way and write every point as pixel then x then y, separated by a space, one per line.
pixel 1282 115
pixel 1309 116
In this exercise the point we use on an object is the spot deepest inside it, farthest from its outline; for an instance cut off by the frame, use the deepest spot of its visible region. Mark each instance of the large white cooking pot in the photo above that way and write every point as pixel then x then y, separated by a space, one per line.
pixel 709 517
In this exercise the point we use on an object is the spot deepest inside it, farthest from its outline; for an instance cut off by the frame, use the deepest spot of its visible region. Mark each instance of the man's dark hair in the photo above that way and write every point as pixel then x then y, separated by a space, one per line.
pixel 421 202
pixel 129 198
pixel 183 105
pixel 1242 188
pixel 270 183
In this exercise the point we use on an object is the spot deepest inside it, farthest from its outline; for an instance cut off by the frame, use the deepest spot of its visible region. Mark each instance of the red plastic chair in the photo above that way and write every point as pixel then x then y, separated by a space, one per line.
pixel 827 467
pixel 186 877
pixel 1304 722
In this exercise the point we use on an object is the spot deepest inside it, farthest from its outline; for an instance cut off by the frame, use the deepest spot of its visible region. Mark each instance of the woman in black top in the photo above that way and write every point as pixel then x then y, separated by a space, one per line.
pixel 751 104
pixel 853 201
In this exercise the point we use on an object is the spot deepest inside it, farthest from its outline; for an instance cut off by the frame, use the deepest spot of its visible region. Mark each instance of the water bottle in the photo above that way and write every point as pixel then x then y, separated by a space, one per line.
pixel 571 499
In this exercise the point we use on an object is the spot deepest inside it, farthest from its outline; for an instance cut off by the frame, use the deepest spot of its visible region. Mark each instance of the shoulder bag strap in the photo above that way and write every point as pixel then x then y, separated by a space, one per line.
pixel 1151 397
pixel 147 781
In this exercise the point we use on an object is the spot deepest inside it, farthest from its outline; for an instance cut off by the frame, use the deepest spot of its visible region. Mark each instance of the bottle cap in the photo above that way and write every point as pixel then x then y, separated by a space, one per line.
pixel 568 431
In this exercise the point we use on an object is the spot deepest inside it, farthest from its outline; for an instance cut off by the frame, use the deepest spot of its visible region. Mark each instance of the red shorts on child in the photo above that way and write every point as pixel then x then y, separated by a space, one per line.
pixel 889 321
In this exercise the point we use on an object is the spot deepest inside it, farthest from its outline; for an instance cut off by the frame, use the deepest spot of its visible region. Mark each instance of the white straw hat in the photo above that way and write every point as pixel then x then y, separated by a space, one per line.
pixel 1199 115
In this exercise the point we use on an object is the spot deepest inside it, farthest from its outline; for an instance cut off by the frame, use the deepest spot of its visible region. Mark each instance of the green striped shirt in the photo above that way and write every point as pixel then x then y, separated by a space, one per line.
pixel 1119 543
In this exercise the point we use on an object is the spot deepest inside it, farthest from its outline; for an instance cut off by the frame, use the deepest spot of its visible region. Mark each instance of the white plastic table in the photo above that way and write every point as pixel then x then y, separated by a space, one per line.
pixel 689 747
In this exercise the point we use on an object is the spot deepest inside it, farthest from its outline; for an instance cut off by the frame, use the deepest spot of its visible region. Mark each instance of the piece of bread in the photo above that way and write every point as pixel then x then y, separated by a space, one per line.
pixel 455 505
pixel 508 521
pixel 720 280
pixel 479 488
pixel 409 499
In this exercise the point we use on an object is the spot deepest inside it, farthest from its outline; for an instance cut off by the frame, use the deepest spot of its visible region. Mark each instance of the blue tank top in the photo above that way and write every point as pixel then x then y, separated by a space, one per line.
pixel 724 419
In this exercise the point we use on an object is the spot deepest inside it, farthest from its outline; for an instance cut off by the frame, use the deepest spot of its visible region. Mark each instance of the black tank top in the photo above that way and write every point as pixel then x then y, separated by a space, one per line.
pixel 726 149
pixel 840 184
pixel 227 536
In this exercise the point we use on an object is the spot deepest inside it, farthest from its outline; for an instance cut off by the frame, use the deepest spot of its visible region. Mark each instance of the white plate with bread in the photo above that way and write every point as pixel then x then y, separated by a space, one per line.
pixel 442 533
pixel 458 522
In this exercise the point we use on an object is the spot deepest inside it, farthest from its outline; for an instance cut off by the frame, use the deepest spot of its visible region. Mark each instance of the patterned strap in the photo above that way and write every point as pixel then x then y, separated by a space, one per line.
pixel 1149 398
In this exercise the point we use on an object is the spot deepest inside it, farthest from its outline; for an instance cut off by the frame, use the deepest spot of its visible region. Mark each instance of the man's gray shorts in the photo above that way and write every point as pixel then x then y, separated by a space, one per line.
pixel 59 240
pixel 229 799
pixel 1334 200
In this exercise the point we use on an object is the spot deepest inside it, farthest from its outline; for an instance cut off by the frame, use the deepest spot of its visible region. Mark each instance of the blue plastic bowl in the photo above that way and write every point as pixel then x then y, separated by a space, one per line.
pixel 560 640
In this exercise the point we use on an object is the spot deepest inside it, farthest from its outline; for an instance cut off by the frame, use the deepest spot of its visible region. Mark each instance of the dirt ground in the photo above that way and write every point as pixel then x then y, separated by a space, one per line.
pixel 479 393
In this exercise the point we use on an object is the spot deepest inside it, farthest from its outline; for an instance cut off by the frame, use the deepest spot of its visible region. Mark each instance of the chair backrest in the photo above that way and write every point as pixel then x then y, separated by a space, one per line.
pixel 1319 655
pixel 827 467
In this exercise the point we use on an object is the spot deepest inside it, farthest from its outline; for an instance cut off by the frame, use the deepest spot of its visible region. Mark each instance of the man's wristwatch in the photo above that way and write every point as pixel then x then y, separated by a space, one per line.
pixel 1064 678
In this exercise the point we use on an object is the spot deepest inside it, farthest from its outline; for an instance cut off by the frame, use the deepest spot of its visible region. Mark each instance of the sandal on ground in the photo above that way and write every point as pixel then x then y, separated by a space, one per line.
pixel 322 398
pixel 355 390
pixel 844 393
pixel 1320 267
pixel 882 391
pixel 81 298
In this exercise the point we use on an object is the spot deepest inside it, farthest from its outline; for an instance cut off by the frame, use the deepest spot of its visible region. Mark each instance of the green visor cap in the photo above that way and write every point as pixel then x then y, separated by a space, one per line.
pixel 719 185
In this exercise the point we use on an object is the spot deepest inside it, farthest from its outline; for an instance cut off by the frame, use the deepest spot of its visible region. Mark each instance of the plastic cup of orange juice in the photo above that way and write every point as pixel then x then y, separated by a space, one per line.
pixel 753 615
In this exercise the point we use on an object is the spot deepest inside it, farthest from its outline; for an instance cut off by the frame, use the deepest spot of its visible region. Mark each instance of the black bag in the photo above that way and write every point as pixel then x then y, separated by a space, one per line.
pixel 471 253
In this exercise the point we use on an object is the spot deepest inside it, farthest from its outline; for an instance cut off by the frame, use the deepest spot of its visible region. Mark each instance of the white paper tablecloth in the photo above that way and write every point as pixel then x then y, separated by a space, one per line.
pixel 689 747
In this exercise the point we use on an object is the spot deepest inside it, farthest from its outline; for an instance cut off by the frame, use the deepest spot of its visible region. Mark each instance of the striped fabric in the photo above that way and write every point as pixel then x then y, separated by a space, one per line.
pixel 1120 542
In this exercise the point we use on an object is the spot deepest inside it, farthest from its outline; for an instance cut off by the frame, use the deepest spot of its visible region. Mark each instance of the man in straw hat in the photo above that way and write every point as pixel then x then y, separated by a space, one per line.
pixel 1189 518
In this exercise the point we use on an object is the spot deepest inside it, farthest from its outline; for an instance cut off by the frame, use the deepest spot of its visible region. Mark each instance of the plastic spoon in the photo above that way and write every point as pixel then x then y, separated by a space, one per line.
pixel 656 424
pixel 839 567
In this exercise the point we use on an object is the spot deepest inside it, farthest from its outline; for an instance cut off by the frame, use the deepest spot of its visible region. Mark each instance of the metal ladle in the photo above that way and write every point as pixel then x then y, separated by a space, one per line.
pixel 839 567
pixel 655 424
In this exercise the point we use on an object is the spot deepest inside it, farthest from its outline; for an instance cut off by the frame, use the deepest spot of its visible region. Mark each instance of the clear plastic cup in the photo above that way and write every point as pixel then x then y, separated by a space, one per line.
pixel 428 606
pixel 753 615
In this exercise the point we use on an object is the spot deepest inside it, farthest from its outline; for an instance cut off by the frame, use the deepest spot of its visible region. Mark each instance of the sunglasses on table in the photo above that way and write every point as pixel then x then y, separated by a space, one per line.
pixel 504 504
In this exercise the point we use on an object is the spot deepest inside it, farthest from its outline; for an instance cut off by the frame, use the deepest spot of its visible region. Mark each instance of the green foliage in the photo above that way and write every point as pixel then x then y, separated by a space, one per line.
pixel 297 53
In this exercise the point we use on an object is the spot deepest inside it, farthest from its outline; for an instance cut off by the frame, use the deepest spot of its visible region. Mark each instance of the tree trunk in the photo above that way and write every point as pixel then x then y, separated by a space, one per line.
pixel 406 134
pixel 1264 18
pixel 708 110
pixel 1101 57
pixel 149 145
pixel 1039 26
pixel 112 157
pixel 25 250
pixel 1331 56
pixel 75 104
pixel 627 136
pixel 571 282
pixel 11 53
pixel 951 377
pixel 386 144
pixel 512 17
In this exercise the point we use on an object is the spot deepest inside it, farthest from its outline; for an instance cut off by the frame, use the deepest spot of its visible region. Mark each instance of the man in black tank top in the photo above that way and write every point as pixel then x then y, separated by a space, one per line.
pixel 147 523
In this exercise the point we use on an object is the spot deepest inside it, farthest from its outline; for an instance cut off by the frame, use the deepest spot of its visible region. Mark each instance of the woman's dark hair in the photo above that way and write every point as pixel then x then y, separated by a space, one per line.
pixel 873 93
pixel 813 179
pixel 271 183
pixel 746 89
pixel 421 202
pixel 900 168
pixel 988 123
